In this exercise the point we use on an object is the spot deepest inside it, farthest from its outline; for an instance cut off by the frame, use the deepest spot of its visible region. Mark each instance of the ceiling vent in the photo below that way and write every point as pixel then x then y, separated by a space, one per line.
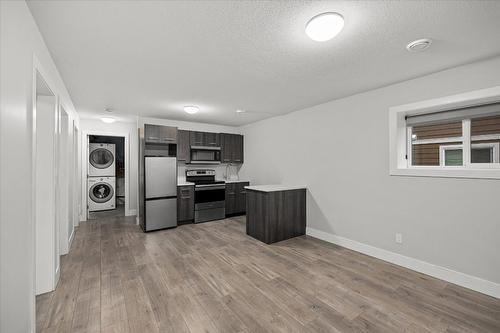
pixel 419 45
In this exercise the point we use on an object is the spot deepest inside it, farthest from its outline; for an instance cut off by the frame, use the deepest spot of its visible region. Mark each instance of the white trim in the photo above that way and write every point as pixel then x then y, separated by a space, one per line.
pixel 70 241
pixel 85 162
pixel 456 139
pixel 468 281
pixel 132 212
pixel 440 140
pixel 398 142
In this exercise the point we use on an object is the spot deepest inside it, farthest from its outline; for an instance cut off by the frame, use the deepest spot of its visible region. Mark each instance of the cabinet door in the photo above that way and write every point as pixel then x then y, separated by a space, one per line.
pixel 185 203
pixel 183 148
pixel 226 148
pixel 152 133
pixel 237 148
pixel 230 198
pixel 211 139
pixel 168 134
pixel 241 197
pixel 197 138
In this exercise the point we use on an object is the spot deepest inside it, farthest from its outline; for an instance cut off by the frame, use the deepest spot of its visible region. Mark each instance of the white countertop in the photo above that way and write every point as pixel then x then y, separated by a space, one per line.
pixel 181 182
pixel 235 181
pixel 274 188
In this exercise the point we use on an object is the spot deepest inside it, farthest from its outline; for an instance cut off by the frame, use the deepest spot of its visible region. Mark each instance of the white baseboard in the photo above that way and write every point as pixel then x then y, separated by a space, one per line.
pixel 132 212
pixel 137 220
pixel 468 281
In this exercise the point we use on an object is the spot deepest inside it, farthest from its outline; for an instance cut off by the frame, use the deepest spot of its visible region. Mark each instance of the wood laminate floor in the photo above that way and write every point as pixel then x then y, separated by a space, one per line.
pixel 211 277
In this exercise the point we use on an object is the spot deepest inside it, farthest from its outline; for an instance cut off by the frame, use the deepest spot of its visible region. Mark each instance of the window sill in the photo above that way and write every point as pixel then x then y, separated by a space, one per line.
pixel 450 172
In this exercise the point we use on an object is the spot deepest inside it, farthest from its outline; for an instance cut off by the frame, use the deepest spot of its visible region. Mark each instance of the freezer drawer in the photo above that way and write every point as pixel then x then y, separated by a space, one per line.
pixel 161 213
pixel 160 177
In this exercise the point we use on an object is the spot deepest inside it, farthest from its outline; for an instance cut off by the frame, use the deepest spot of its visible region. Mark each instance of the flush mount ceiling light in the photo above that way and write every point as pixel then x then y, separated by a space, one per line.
pixel 191 109
pixel 108 120
pixel 324 26
pixel 419 45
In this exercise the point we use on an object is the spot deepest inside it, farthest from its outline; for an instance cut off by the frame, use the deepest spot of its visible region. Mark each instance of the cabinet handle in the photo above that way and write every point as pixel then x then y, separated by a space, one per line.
pixel 153 138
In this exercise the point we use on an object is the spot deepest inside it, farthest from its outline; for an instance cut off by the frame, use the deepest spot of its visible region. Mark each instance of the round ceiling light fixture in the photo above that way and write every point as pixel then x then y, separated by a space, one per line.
pixel 419 45
pixel 191 109
pixel 324 26
pixel 108 120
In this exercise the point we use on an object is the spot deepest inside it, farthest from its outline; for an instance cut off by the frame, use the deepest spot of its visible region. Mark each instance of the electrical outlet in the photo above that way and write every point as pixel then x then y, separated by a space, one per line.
pixel 399 238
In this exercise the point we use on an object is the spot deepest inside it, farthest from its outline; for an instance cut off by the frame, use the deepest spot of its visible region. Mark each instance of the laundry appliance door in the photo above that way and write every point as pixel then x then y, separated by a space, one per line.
pixel 101 158
pixel 101 192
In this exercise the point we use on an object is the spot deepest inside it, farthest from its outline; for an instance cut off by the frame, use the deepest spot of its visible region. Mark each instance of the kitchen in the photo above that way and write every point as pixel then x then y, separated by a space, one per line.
pixel 176 186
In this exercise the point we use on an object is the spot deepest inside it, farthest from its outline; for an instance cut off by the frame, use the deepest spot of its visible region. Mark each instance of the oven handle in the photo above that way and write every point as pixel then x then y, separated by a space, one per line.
pixel 209 187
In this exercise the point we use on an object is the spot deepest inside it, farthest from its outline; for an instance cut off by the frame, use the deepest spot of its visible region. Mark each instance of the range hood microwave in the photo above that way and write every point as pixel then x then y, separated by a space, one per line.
pixel 205 155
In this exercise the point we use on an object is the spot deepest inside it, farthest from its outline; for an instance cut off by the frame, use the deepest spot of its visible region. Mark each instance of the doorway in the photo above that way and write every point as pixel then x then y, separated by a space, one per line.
pixel 45 166
pixel 106 177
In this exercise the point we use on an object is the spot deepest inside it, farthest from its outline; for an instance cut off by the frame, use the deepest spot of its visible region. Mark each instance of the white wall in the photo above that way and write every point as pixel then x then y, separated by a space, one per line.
pixel 20 40
pixel 340 151
pixel 47 259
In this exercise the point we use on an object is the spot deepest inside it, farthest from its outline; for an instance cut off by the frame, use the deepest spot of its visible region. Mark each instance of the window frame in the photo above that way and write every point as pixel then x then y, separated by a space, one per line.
pixel 400 137
pixel 442 152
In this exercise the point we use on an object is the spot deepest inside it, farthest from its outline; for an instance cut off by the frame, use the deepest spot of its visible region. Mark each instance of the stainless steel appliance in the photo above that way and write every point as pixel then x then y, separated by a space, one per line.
pixel 158 185
pixel 209 195
pixel 205 155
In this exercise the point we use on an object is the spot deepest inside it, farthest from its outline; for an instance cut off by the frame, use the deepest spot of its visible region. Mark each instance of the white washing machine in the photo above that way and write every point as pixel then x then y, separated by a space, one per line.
pixel 101 159
pixel 101 193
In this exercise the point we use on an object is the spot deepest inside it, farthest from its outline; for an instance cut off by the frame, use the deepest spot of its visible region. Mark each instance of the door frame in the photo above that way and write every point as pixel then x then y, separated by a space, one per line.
pixel 85 164
pixel 37 69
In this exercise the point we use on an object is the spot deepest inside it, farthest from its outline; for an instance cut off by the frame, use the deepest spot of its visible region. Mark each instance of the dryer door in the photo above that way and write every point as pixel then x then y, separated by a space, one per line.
pixel 101 158
pixel 101 192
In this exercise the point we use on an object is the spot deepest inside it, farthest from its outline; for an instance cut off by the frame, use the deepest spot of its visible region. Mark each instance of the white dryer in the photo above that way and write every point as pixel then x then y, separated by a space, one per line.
pixel 101 159
pixel 101 193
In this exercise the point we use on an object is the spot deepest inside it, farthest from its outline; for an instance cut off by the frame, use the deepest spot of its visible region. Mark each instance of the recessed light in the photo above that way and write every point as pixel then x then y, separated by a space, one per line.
pixel 419 45
pixel 191 109
pixel 324 26
pixel 240 111
pixel 108 120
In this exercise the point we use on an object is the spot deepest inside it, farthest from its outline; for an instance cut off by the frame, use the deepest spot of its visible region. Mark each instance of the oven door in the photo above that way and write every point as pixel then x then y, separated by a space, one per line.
pixel 209 196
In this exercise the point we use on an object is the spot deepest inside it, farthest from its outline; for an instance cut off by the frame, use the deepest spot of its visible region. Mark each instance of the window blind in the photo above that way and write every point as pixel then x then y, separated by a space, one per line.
pixel 454 115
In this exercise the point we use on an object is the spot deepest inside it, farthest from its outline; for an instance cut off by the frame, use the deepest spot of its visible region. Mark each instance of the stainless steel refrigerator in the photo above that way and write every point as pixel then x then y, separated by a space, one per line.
pixel 160 188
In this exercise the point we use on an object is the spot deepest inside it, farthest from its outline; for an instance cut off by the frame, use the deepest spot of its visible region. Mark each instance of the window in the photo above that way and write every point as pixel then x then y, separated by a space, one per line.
pixel 435 141
pixel 453 136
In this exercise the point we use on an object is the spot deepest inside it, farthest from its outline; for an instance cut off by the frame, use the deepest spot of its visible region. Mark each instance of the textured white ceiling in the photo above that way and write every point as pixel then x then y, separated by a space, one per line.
pixel 150 58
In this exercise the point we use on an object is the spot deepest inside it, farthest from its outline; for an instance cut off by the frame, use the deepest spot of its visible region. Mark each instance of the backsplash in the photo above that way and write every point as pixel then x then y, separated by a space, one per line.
pixel 220 169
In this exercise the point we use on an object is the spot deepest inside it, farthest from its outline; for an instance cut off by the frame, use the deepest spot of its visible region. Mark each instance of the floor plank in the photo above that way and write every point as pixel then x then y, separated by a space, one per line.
pixel 212 277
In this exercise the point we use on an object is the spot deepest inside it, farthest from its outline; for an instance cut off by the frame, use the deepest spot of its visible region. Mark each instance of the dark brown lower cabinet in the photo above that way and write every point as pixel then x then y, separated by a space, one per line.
pixel 276 216
pixel 236 198
pixel 185 203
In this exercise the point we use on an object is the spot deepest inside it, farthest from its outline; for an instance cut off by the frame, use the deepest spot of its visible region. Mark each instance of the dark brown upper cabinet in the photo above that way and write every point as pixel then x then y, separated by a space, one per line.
pixel 206 139
pixel 160 134
pixel 232 148
pixel 211 139
pixel 197 138
pixel 183 146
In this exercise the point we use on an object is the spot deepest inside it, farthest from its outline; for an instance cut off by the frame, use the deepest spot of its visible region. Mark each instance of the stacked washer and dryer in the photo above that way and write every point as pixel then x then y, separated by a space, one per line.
pixel 101 177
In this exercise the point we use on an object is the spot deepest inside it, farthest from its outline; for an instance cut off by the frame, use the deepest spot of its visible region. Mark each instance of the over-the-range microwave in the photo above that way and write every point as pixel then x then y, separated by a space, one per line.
pixel 205 155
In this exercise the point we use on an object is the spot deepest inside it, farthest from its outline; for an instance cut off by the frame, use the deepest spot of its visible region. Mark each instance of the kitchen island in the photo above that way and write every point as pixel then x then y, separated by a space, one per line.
pixel 275 212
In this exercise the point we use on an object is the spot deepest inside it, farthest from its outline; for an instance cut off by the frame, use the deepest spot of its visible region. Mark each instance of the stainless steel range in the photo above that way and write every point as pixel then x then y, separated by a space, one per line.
pixel 209 196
